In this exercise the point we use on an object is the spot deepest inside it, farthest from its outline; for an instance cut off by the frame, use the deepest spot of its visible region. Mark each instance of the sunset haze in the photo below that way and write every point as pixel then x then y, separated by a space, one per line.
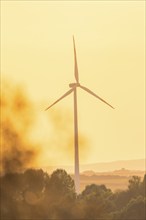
pixel 37 53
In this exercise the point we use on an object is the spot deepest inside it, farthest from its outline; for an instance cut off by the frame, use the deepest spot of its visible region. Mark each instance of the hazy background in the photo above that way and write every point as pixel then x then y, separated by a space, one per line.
pixel 37 54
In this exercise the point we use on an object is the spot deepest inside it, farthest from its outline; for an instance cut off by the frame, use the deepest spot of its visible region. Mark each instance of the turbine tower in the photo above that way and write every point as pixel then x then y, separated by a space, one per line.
pixel 73 89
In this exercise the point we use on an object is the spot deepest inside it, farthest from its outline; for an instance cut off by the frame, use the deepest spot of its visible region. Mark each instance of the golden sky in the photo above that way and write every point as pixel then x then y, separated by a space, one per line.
pixel 37 51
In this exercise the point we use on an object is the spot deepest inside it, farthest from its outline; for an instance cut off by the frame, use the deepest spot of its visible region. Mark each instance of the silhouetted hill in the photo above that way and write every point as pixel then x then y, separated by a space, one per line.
pixel 138 164
pixel 115 180
pixel 121 172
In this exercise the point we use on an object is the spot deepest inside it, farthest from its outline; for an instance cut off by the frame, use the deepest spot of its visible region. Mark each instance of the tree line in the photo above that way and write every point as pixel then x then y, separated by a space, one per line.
pixel 34 194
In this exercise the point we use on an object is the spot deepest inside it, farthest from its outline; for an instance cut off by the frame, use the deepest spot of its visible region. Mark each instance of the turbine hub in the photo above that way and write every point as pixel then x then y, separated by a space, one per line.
pixel 72 85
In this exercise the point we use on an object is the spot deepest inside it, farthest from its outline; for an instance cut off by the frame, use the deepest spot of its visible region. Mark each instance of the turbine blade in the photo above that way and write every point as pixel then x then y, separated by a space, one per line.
pixel 66 94
pixel 75 65
pixel 92 93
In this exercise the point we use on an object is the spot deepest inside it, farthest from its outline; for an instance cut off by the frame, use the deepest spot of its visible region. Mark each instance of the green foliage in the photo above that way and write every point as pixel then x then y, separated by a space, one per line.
pixel 135 209
pixel 143 186
pixel 35 180
pixel 134 184
pixel 61 183
pixel 59 194
pixel 36 195
pixel 96 200
pixel 94 190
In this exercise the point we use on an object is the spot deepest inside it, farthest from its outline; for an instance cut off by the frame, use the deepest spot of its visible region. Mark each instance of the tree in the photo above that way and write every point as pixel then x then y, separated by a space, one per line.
pixel 34 194
pixel 135 209
pixel 59 195
pixel 61 184
pixel 96 190
pixel 11 196
pixel 134 183
pixel 21 191
pixel 96 201
pixel 143 187
pixel 35 180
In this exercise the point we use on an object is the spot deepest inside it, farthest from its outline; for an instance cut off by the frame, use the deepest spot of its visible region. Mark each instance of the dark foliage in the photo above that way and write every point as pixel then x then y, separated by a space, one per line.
pixel 34 194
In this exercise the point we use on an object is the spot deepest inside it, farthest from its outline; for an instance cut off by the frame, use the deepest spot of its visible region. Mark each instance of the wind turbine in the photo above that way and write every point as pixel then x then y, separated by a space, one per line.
pixel 73 89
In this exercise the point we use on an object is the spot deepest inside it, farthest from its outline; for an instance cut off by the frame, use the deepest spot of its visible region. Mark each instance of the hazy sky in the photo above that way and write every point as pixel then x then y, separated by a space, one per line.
pixel 37 51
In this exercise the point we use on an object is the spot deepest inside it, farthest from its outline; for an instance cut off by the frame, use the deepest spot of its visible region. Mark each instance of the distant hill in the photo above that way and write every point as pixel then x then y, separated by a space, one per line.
pixel 116 165
pixel 110 179
pixel 115 180
pixel 122 172
pixel 139 164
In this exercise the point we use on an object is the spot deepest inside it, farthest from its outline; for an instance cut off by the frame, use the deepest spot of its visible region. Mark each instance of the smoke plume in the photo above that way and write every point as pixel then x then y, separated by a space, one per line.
pixel 17 151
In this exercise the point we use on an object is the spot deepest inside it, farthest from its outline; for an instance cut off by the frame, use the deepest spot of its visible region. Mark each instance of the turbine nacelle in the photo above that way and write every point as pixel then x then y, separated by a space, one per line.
pixel 73 85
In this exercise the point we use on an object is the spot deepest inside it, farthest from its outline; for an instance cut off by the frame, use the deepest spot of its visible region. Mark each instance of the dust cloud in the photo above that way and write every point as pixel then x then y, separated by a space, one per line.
pixel 17 151
pixel 22 147
pixel 62 123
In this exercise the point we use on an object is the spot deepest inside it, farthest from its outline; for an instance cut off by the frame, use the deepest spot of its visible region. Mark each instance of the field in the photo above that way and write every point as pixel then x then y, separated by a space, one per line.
pixel 112 182
pixel 116 180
